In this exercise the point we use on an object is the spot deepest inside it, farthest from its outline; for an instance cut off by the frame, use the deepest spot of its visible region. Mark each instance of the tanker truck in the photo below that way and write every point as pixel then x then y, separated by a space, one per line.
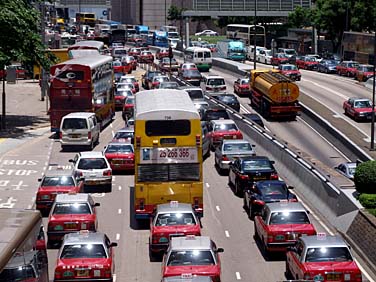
pixel 273 94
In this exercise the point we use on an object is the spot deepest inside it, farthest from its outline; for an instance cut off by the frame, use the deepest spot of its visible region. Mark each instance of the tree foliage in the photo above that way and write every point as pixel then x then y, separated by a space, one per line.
pixel 365 177
pixel 20 39
pixel 174 13
pixel 300 18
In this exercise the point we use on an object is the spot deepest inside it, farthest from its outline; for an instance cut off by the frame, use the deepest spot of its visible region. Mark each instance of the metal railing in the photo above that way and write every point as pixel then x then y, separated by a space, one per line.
pixel 248 5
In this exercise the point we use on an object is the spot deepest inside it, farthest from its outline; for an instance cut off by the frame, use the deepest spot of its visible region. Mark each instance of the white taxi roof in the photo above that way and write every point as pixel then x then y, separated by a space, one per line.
pixel 190 243
pixel 72 198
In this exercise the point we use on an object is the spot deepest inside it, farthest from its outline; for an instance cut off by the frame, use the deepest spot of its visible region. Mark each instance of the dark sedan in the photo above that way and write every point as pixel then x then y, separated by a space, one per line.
pixel 245 171
pixel 229 100
pixel 327 66
pixel 192 76
pixel 268 191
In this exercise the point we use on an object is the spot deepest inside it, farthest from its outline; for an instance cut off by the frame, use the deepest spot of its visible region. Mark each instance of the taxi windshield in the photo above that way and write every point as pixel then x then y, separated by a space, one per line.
pixel 321 254
pixel 123 135
pixel 216 81
pixel 21 273
pixel 71 208
pixel 58 181
pixel 170 219
pixel 194 257
pixel 287 217
pixel 119 148
pixel 363 104
pixel 83 251
pixel 92 163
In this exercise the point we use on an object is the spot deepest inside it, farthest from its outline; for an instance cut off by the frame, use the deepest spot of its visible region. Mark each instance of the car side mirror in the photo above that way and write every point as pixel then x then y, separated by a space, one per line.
pixel 308 212
pixel 230 163
pixel 71 161
pixel 113 244
pixel 39 179
pixel 97 204
pixel 253 145
pixel 81 178
pixel 272 162
pixel 220 250
pixel 290 187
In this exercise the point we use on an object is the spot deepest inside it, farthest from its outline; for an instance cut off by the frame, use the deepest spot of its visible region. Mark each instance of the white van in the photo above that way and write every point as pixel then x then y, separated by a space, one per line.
pixel 250 52
pixel 79 129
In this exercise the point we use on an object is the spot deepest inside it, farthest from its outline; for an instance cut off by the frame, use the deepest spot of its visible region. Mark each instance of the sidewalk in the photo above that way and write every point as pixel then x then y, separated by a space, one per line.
pixel 24 109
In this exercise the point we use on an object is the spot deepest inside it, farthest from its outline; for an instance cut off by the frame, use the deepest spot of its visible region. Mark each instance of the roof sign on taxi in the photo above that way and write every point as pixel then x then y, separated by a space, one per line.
pixel 186 275
pixel 321 236
pixel 174 204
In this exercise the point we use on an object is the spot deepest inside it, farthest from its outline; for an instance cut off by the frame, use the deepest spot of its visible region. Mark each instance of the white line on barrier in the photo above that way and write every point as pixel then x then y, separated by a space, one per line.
pixel 333 187
pixel 238 116
pixel 227 234
pixel 267 136
pixel 217 208
pixel 279 143
pixel 291 153
pixel 244 109
pixel 307 165
pixel 319 174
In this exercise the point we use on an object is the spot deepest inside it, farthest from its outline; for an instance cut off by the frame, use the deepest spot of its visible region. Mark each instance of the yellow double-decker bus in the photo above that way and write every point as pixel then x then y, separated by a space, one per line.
pixel 168 151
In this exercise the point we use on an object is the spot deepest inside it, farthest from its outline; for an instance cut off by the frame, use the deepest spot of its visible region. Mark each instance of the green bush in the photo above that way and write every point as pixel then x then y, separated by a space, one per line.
pixel 368 201
pixel 372 211
pixel 365 177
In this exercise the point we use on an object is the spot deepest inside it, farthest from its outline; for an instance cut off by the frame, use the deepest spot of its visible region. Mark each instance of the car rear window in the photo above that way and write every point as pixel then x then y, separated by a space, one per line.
pixel 237 147
pixel 289 218
pixel 71 208
pixel 214 115
pixel 227 98
pixel 322 254
pixel 83 251
pixel 192 73
pixel 74 123
pixel 121 148
pixel 225 127
pixel 58 181
pixel 170 219
pixel 123 135
pixel 92 163
pixel 195 94
pixel 216 81
pixel 193 257
pixel 256 165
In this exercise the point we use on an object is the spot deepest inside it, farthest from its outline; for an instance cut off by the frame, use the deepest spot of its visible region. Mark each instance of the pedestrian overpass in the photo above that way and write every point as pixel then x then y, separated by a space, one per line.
pixel 244 8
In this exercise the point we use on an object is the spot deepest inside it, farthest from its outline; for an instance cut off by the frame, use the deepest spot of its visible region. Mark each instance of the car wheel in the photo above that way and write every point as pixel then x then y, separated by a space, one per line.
pixel 257 236
pixel 237 188
pixel 251 212
pixel 91 146
pixel 97 141
pixel 348 74
pixel 265 251
pixel 245 205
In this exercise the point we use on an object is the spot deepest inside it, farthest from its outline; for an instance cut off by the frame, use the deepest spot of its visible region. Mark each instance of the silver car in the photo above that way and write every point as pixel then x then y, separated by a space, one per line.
pixel 231 149
pixel 95 169
pixel 347 169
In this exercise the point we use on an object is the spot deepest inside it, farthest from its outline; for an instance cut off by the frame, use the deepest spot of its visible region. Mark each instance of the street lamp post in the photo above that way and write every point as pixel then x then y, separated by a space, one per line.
pixel 373 96
pixel 254 36
pixel 165 12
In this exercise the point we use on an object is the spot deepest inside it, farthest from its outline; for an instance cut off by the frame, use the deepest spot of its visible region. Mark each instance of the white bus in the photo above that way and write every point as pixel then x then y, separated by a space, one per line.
pixel 169 28
pixel 202 57
pixel 246 33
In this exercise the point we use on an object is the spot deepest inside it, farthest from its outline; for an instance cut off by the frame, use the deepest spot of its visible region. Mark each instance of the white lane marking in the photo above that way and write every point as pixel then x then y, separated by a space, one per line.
pixel 217 207
pixel 238 277
pixel 119 188
pixel 29 207
pixel 114 277
pixel 327 89
pixel 46 163
pixel 119 211
pixel 113 178
pixel 111 125
pixel 113 133
pixel 326 140
pixel 227 234
pixel 207 185
pixel 117 236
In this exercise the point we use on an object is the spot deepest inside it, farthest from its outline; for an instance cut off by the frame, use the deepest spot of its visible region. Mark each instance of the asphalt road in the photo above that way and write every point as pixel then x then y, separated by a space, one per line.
pixel 224 221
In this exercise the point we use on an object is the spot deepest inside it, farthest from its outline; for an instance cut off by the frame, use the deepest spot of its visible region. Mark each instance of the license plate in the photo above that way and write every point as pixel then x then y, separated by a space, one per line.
pixel 117 161
pixel 227 136
pixel 176 235
pixel 75 135
pixel 259 178
pixel 70 225
pixel 82 272
pixel 333 277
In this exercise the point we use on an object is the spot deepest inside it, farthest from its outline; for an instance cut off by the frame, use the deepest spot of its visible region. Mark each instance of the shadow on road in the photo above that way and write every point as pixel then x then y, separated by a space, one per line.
pixel 18 125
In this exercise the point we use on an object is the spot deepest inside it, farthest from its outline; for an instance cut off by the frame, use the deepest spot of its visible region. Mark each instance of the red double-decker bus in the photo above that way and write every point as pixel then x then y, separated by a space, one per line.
pixel 84 84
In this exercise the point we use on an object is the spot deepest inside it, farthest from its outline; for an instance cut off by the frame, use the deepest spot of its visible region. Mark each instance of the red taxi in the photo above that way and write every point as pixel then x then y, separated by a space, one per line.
pixel 85 256
pixel 134 52
pixel 53 182
pixel 279 58
pixel 132 61
pixel 347 68
pixel 307 63
pixel 197 255
pixel 131 79
pixel 120 156
pixel 71 213
pixel 118 67
pixel 241 86
pixel 127 65
pixel 358 108
pixel 223 129
pixel 171 220
pixel 146 57
pixel 290 71
pixel 161 53
pixel 322 258
pixel 281 224
pixel 363 72
pixel 157 80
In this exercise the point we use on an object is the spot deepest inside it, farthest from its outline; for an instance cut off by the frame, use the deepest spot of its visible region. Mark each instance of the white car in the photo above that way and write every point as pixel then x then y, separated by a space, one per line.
pixel 264 56
pixel 96 171
pixel 207 32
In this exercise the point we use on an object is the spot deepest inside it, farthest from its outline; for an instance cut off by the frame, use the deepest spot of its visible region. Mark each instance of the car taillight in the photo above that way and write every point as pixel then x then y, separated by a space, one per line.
pixel 239 135
pixel 196 202
pixel 223 88
pixel 60 135
pixel 270 238
pixel 307 276
pixel 160 238
pixel 79 174
pixel 358 277
pixel 224 158
pixel 259 202
pixel 58 273
pixel 107 272
pixel 141 203
pixel 274 176
pixel 198 139
pixel 244 177
pixel 107 172
pixel 89 135
pixel 216 278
